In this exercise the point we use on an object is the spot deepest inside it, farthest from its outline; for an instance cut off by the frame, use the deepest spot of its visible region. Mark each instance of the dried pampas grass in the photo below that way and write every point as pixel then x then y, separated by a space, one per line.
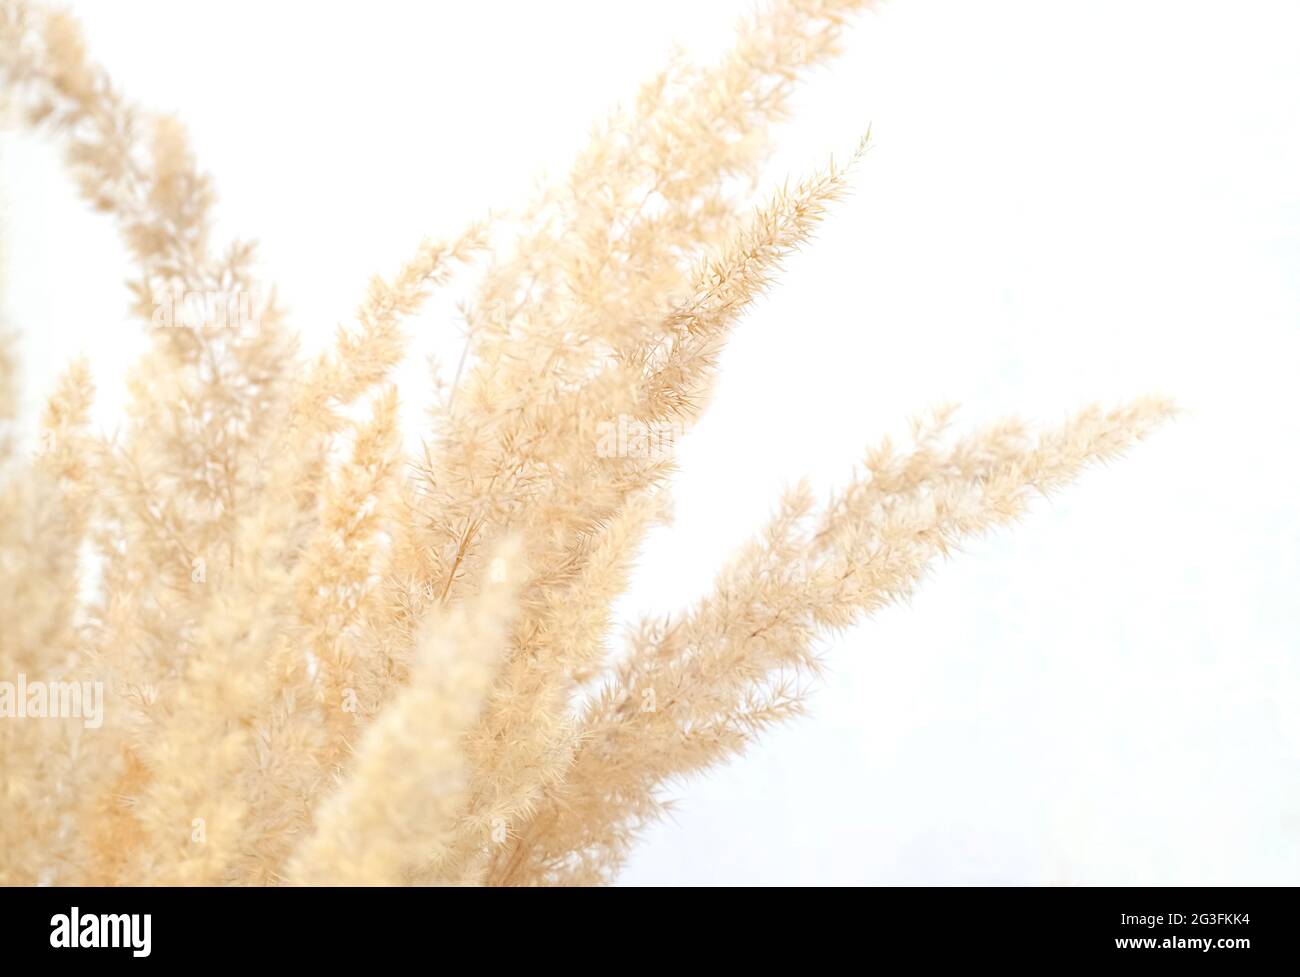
pixel 328 661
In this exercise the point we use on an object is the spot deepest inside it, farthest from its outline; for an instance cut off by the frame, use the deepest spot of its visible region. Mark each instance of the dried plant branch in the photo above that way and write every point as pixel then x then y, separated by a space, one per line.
pixel 331 660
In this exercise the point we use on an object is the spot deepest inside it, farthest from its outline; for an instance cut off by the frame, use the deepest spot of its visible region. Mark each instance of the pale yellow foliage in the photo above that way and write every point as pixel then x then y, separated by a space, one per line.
pixel 328 660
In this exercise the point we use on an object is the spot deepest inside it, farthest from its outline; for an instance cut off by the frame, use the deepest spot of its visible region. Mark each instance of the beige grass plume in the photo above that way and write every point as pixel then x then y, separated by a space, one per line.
pixel 329 661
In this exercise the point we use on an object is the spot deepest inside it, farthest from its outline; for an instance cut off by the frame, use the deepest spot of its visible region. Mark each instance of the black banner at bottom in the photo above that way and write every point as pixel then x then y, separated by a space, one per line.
pixel 333 926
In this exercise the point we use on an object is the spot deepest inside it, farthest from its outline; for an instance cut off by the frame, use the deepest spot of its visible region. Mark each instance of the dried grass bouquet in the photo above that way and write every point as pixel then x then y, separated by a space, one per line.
pixel 327 659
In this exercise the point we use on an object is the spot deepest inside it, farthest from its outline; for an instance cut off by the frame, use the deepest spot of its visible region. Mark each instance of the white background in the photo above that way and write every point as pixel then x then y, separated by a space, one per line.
pixel 1065 202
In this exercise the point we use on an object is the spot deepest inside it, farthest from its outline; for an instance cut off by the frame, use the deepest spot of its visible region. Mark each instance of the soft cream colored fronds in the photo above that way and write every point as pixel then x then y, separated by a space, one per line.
pixel 396 813
pixel 329 660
